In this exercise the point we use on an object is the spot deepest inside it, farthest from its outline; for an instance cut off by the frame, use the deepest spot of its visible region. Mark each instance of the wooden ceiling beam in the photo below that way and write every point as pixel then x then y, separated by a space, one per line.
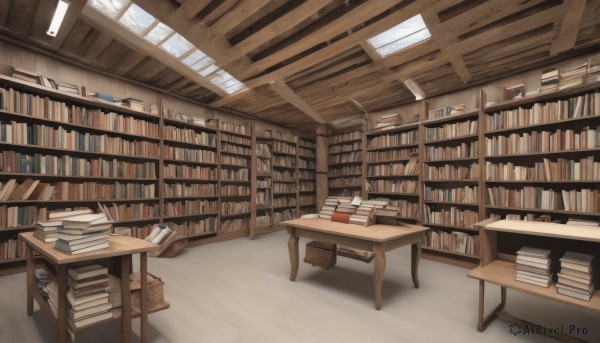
pixel 21 16
pixel 290 96
pixel 120 33
pixel 371 51
pixel 569 27
pixel 4 7
pixel 343 44
pixel 212 43
pixel 243 10
pixel 445 39
pixel 190 8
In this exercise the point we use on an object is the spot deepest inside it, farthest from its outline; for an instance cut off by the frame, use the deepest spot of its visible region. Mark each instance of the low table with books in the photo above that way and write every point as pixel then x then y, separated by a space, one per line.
pixel 119 249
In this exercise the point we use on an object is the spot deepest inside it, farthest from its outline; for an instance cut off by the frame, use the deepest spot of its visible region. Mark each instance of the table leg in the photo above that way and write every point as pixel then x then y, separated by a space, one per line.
pixel 414 265
pixel 30 278
pixel 294 254
pixel 378 277
pixel 125 299
pixel 144 297
pixel 61 278
pixel 480 324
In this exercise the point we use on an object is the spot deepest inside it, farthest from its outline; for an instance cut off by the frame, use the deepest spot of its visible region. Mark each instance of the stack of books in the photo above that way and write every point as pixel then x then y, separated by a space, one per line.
pixel 549 80
pixel 83 233
pixel 47 230
pixel 593 72
pixel 88 295
pixel 572 76
pixel 533 266
pixel 329 207
pixel 514 90
pixel 134 104
pixel 389 121
pixel 364 215
pixel 576 276
pixel 346 205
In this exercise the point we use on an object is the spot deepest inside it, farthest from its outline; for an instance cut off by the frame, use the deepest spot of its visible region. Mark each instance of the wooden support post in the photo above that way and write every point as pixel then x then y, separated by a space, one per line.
pixel 322 166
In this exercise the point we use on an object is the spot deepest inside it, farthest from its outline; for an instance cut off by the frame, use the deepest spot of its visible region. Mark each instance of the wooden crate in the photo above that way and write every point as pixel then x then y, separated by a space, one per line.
pixel 320 254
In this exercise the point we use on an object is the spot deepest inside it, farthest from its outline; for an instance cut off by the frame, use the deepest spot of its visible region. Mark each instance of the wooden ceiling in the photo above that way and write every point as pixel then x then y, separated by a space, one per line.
pixel 308 61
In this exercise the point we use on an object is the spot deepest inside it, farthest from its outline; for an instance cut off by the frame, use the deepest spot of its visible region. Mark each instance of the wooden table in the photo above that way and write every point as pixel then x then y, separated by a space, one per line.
pixel 120 247
pixel 376 238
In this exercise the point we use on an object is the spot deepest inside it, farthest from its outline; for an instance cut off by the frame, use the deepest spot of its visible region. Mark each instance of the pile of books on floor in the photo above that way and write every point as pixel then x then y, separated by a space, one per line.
pixel 533 266
pixel 83 233
pixel 575 278
pixel 88 295
pixel 549 80
pixel 329 207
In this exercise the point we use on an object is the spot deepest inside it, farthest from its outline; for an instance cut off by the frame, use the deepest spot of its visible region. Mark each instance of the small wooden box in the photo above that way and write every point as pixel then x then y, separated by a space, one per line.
pixel 320 254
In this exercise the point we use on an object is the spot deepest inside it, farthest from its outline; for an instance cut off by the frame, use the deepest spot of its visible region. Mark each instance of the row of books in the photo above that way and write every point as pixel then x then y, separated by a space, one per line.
pixel 453 130
pixel 235 160
pixel 44 108
pixel 390 155
pixel 389 121
pixel 392 186
pixel 400 208
pixel 237 224
pixel 235 149
pixel 284 188
pixel 391 139
pixel 308 153
pixel 283 147
pixel 451 172
pixel 307 174
pixel 586 169
pixel 466 194
pixel 191 189
pixel 446 111
pixel 283 175
pixel 12 216
pixel 284 161
pixel 234 190
pixel 454 241
pixel 190 136
pixel 13 132
pixel 307 164
pixel 234 139
pixel 31 189
pixel 345 192
pixel 187 207
pixel 284 202
pixel 352 135
pixel 347 147
pixel 125 212
pixel 238 174
pixel 304 200
pixel 263 165
pixel 263 150
pixel 464 150
pixel 307 209
pixel 346 182
pixel 192 155
pixel 263 197
pixel 264 220
pixel 283 136
pixel 543 141
pixel 307 144
pixel 539 113
pixel 345 170
pixel 394 169
pixel 264 183
pixel 350 157
pixel 243 129
pixel 307 186
pixel 234 207
pixel 453 216
pixel 12 248
pixel 189 172
pixel 23 163
pixel 283 215
pixel 200 121
pixel 575 200
pixel 195 227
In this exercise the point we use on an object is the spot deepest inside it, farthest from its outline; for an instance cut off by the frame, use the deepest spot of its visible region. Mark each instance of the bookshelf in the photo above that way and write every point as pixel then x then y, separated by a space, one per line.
pixel 234 181
pixel 393 168
pixel 450 180
pixel 61 150
pixel 285 175
pixel 263 179
pixel 541 155
pixel 307 178
pixel 190 193
pixel 345 159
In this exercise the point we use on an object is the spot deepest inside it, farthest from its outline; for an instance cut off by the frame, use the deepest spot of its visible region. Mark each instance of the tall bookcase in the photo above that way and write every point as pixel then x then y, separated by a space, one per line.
pixel 190 184
pixel 264 183
pixel 346 157
pixel 542 155
pixel 234 177
pixel 285 176
pixel 77 152
pixel 392 168
pixel 307 178
pixel 450 148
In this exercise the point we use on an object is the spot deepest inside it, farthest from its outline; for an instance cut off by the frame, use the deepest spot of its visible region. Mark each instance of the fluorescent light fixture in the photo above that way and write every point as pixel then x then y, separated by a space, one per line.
pixel 59 15
pixel 401 36
pixel 415 89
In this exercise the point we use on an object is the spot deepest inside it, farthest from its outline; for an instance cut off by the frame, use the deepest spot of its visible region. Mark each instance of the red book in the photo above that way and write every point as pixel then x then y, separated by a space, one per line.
pixel 340 217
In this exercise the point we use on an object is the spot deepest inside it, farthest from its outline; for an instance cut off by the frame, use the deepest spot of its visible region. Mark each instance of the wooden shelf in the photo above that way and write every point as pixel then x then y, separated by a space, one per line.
pixel 540 125
pixel 521 209
pixel 283 167
pixel 451 227
pixel 344 176
pixel 344 163
pixel 281 140
pixel 9 202
pixel 345 142
pixel 138 220
pixel 346 186
pixel 187 180
pixel 307 191
pixel 452 117
pixel 400 128
pixel 56 123
pixel 390 161
pixel 170 160
pixel 177 122
pixel 16 228
pixel 44 176
pixel 284 193
pixel 235 153
pixel 392 147
pixel 207 214
pixel 235 181
pixel 235 134
pixel 472 204
pixel 236 196
pixel 391 176
pixel 235 215
pixel 283 153
pixel 188 144
pixel 202 234
pixel 234 165
pixel 548 153
pixel 450 252
pixel 12 260
pixel 452 160
pixel 283 207
pixel 117 315
pixel 13 146
pixel 459 138
pixel 283 181
pixel 344 152
pixel 503 273
pixel 264 174
pixel 308 157
pixel 452 181
pixel 301 168
pixel 544 182
pixel 395 194
pixel 170 198
pixel 307 180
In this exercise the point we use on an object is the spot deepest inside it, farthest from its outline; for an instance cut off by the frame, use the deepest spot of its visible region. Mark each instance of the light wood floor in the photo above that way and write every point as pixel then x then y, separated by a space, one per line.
pixel 238 291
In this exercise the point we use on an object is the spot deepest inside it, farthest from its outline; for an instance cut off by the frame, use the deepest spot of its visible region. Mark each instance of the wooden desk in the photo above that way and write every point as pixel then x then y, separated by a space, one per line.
pixel 120 247
pixel 376 238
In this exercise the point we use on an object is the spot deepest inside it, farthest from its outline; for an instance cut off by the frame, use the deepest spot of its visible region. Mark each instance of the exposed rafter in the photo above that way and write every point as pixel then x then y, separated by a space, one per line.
pixel 569 26
pixel 284 91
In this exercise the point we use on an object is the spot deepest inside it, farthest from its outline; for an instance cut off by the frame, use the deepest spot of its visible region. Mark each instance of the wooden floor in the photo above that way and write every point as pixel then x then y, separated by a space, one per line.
pixel 238 291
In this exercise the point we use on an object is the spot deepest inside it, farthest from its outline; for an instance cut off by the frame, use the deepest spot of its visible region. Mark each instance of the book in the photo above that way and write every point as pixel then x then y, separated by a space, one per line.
pixel 574 294
pixel 88 304
pixel 84 221
pixel 67 239
pixel 87 282
pixel 80 314
pixel 74 247
pixel 87 298
pixel 87 271
pixel 77 324
pixel 577 261
pixel 84 250
pixel 56 215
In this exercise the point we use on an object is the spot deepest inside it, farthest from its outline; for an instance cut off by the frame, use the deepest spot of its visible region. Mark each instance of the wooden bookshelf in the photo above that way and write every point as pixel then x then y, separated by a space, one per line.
pixel 286 151
pixel 346 157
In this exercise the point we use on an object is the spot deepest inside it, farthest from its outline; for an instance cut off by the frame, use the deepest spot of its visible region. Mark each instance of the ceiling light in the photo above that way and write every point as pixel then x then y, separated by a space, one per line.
pixel 401 36
pixel 59 15
pixel 415 89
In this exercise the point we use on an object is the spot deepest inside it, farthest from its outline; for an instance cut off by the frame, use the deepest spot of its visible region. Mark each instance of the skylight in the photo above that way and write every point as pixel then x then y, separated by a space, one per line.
pixel 401 36
pixel 145 26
